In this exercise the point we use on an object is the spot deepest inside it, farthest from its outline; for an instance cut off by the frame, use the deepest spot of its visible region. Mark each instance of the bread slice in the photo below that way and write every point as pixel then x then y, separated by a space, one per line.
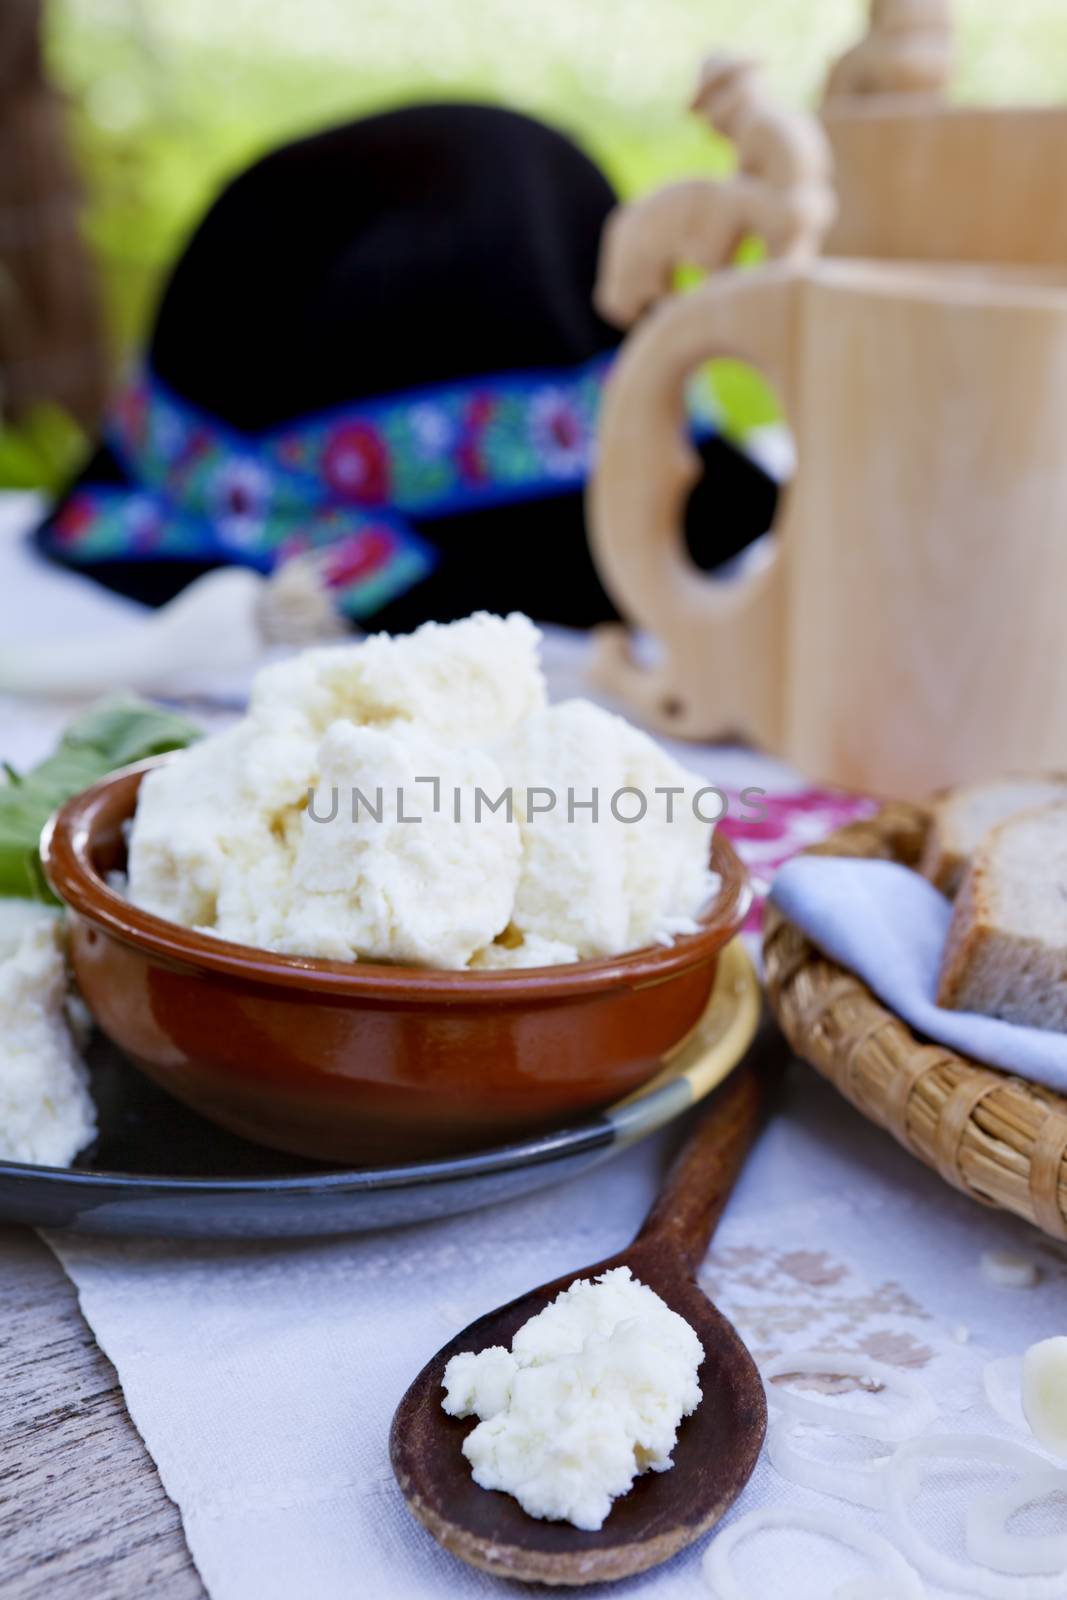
pixel 962 818
pixel 1006 952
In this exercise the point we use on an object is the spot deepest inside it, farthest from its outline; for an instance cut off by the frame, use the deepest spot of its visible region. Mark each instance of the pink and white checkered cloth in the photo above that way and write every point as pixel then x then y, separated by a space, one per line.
pixel 793 820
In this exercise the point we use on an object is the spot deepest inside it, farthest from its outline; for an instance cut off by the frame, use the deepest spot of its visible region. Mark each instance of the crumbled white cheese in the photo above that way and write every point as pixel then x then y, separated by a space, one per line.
pixel 468 681
pixel 1008 1270
pixel 592 880
pixel 46 1111
pixel 425 843
pixel 1044 1392
pixel 590 1395
pixel 513 949
pixel 428 892
pixel 214 807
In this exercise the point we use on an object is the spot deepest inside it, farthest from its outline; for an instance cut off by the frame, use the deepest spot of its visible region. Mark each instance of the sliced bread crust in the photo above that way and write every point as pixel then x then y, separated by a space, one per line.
pixel 1006 951
pixel 961 819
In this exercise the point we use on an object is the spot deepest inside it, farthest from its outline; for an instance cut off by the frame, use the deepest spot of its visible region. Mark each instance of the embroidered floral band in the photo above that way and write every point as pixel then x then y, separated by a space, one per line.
pixel 348 479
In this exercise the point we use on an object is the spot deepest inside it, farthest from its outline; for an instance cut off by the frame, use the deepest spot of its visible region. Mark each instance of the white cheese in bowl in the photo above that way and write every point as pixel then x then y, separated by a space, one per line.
pixel 429 892
pixel 590 1395
pixel 597 876
pixel 468 682
pixel 416 800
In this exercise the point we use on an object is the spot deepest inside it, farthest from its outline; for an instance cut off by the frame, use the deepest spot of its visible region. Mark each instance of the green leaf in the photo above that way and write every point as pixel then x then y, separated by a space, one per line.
pixel 111 735
pixel 124 728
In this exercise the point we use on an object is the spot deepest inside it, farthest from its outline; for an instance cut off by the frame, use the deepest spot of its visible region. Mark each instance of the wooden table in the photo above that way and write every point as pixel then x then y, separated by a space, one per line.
pixel 82 1510
pixel 83 1515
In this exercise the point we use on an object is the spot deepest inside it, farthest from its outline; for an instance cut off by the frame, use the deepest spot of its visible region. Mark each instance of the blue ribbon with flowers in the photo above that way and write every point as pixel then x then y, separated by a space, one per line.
pixel 346 481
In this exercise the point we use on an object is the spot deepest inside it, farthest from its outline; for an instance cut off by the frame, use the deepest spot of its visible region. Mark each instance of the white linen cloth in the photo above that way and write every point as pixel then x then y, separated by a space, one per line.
pixel 263 1377
pixel 889 925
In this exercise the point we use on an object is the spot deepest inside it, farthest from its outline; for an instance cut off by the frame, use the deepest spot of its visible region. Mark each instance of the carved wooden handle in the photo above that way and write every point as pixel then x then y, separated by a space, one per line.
pixel 907 49
pixel 782 193
pixel 722 665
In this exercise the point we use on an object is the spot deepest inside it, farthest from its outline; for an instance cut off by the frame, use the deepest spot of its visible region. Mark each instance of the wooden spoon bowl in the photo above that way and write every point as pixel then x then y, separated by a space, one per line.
pixel 717 1446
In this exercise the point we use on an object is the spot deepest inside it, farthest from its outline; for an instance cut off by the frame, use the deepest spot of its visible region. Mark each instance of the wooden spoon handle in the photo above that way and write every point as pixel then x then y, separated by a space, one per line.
pixel 706 1168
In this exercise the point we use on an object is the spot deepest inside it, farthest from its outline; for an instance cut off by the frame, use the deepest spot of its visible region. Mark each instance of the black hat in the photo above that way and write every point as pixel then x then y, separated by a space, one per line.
pixel 381 340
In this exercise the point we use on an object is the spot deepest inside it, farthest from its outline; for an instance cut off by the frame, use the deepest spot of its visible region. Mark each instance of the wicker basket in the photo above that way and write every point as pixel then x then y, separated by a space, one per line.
pixel 996 1138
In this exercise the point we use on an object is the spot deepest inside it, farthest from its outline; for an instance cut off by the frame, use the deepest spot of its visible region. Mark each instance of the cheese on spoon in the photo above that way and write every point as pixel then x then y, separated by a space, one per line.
pixel 590 1395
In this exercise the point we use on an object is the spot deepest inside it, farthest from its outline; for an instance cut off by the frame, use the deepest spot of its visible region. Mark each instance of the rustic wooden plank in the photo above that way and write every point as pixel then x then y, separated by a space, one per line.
pixel 82 1510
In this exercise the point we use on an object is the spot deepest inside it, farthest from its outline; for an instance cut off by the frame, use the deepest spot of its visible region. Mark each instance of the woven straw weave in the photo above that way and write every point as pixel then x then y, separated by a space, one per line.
pixel 998 1139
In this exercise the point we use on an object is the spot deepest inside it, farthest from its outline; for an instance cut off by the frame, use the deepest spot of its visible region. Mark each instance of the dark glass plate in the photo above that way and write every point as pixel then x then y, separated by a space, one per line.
pixel 157 1168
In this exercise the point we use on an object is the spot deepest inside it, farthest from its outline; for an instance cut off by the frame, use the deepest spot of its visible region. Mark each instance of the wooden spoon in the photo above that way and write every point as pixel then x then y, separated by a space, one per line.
pixel 717 1446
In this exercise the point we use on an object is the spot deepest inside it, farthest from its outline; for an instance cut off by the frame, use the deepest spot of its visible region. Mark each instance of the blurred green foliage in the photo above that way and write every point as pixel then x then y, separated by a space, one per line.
pixel 169 97
pixel 41 451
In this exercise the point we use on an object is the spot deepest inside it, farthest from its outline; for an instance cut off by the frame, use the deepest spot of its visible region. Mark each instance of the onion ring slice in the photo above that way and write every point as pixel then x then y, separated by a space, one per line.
pixel 989 1541
pixel 893 1579
pixel 980 1583
pixel 918 1414
pixel 860 1486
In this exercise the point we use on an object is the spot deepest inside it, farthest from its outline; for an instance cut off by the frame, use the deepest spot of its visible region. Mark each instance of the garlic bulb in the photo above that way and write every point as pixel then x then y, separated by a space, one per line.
pixel 1044 1392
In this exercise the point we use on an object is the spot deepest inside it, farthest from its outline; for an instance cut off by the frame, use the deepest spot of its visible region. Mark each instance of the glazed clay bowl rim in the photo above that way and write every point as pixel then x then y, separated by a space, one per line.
pixel 70 836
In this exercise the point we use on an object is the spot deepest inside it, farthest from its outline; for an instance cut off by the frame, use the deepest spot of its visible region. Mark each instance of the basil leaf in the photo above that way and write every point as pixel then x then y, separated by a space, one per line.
pixel 111 735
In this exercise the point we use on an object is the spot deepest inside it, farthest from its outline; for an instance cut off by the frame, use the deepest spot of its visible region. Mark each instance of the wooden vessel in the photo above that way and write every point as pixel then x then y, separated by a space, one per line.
pixel 902 630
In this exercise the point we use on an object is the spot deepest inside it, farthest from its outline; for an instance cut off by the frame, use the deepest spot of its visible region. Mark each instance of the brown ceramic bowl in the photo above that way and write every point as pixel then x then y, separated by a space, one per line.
pixel 362 1062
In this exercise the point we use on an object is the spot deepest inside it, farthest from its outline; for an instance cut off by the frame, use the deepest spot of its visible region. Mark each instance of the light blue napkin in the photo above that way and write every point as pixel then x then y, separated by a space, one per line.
pixel 888 926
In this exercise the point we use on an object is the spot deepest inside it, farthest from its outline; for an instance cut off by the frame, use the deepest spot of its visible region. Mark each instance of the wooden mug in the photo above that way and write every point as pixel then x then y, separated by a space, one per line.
pixel 906 628
pixel 915 174
pixel 948 182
